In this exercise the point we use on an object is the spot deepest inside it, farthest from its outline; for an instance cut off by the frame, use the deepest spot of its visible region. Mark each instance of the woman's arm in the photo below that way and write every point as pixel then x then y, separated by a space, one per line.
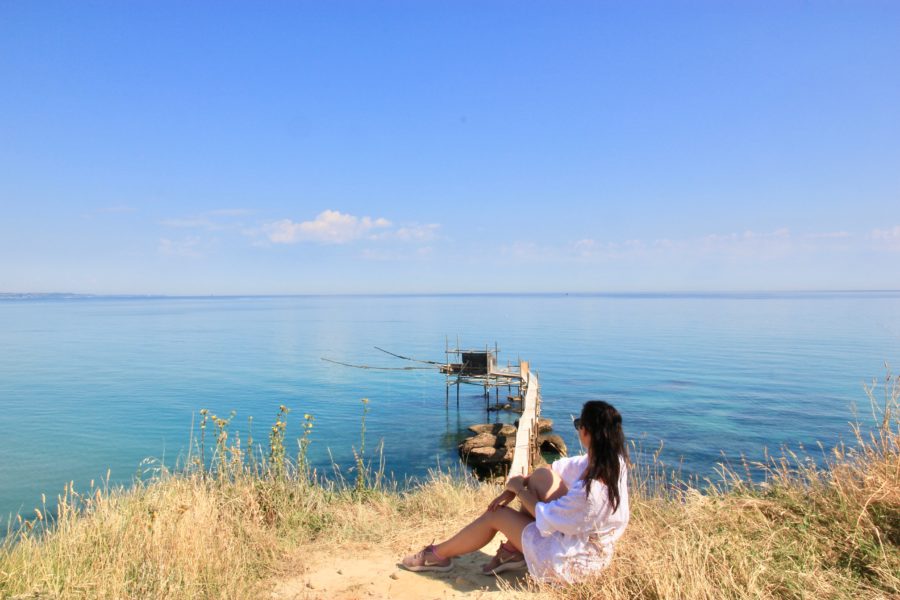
pixel 507 495
pixel 527 497
pixel 502 500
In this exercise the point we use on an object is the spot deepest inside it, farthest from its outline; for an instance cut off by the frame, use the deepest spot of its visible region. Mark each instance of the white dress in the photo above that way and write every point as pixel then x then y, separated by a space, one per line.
pixel 573 536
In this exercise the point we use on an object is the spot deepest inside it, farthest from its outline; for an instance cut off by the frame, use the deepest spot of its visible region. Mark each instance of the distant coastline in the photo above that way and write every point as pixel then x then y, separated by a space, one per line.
pixel 736 294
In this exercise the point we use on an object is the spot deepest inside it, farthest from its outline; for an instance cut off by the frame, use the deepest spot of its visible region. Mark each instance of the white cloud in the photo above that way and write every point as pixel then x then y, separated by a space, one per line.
pixel 329 227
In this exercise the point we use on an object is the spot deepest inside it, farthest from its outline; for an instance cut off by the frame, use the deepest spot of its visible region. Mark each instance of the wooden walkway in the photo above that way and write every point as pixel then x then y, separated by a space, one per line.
pixel 526 450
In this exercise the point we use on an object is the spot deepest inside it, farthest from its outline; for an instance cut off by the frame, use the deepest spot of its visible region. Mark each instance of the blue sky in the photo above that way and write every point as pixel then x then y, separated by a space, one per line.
pixel 392 147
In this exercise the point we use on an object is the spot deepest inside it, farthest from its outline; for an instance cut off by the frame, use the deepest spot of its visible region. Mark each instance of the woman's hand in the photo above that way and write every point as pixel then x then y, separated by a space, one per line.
pixel 515 484
pixel 502 500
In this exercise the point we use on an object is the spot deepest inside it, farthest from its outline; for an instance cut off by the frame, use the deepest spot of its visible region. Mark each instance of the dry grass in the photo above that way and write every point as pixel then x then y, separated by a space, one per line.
pixel 220 528
pixel 807 531
pixel 223 528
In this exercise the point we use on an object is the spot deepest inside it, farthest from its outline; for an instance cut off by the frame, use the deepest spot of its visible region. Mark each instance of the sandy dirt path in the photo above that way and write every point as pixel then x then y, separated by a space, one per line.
pixel 372 572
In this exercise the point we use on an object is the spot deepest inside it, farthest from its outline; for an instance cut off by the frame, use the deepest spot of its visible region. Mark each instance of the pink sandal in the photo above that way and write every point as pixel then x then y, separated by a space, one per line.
pixel 506 559
pixel 427 559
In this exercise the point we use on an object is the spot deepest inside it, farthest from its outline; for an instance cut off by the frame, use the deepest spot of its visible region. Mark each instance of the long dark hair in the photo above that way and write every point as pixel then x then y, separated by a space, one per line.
pixel 604 423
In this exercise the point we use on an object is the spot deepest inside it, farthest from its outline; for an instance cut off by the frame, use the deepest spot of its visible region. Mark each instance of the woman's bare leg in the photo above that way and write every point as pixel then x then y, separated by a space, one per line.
pixel 482 530
pixel 546 485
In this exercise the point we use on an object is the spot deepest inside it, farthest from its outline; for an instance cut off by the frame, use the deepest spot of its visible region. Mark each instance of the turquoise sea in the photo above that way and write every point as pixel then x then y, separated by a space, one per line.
pixel 91 383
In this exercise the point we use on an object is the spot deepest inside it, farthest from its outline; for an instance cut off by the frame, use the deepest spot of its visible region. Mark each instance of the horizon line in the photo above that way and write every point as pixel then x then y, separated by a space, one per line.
pixel 87 295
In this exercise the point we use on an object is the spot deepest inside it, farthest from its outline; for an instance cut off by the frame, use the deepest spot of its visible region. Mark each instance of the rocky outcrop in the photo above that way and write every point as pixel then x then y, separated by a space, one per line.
pixel 490 450
pixel 494 429
pixel 553 444
pixel 489 459
pixel 487 440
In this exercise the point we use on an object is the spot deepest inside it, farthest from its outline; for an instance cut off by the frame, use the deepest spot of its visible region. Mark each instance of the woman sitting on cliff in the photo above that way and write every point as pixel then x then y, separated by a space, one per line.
pixel 572 512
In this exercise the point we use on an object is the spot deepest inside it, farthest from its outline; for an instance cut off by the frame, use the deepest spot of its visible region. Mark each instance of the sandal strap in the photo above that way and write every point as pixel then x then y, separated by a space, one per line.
pixel 505 555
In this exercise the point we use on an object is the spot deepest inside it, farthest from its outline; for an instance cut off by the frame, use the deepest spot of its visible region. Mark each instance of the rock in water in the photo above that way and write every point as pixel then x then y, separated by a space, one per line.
pixel 488 458
pixel 494 429
pixel 491 449
pixel 482 440
pixel 550 442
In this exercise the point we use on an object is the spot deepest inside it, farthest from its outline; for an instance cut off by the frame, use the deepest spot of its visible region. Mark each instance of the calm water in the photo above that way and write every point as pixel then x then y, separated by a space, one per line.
pixel 97 383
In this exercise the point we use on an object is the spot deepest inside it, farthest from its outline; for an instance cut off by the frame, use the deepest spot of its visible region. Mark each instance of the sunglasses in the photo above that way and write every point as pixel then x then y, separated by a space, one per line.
pixel 577 423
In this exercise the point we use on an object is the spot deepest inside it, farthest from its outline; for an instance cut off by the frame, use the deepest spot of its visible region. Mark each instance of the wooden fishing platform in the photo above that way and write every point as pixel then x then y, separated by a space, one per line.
pixel 495 450
pixel 479 367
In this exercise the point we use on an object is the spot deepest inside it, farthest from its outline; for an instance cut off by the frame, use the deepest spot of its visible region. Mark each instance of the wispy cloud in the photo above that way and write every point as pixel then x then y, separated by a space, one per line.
pixel 746 245
pixel 529 251
pixel 189 247
pixel 594 249
pixel 384 254
pixel 410 233
pixel 230 212
pixel 109 211
pixel 749 244
pixel 118 208
pixel 212 220
pixel 828 235
pixel 191 223
pixel 887 238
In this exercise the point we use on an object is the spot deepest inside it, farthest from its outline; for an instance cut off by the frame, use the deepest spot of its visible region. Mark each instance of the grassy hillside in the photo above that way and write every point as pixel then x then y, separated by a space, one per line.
pixel 228 525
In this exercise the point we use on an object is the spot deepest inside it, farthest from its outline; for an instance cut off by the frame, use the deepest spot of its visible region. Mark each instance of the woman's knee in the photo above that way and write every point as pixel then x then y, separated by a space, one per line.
pixel 546 484
pixel 494 517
